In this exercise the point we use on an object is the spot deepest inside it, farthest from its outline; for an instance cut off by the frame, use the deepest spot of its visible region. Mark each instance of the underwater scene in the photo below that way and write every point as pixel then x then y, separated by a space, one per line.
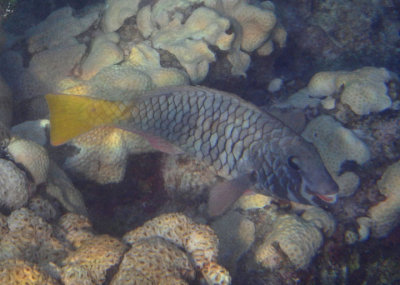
pixel 199 142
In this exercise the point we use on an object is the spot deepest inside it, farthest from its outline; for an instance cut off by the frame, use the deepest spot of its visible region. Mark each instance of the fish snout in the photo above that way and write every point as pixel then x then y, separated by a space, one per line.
pixel 327 191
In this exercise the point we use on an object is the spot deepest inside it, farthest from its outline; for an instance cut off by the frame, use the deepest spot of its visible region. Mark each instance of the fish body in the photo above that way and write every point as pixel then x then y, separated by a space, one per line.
pixel 240 142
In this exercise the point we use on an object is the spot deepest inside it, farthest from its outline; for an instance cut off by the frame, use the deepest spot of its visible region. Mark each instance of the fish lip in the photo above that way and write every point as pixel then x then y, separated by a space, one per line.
pixel 328 198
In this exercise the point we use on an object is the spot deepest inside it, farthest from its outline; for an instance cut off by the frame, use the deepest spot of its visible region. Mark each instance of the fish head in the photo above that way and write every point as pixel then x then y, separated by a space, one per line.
pixel 298 173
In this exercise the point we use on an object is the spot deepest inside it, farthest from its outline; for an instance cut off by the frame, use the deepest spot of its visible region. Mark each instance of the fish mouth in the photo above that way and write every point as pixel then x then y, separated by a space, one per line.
pixel 310 194
pixel 329 198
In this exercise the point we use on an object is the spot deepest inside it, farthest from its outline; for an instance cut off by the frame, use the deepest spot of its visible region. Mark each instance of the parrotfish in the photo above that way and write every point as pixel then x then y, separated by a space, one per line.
pixel 241 143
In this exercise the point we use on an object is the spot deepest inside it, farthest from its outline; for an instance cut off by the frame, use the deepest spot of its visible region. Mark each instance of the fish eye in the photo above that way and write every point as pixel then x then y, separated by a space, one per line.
pixel 293 162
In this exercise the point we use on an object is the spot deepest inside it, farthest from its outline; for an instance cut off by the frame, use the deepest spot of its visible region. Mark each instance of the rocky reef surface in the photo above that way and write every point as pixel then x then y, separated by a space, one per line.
pixel 107 209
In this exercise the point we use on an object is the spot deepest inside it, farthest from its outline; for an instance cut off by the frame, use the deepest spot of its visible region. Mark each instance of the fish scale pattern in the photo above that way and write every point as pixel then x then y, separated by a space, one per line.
pixel 220 130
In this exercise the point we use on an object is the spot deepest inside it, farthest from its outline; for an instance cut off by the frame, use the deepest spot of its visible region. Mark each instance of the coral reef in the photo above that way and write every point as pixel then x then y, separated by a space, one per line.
pixel 198 240
pixel 336 145
pixel 60 187
pixel 252 25
pixel 32 156
pixel 103 154
pixel 385 215
pixel 15 188
pixel 121 63
pixel 202 27
pixel 104 52
pixel 43 208
pixel 29 238
pixel 19 272
pixel 321 219
pixel 154 261
pixel 363 90
pixel 89 263
pixel 121 49
pixel 117 12
pixel 58 28
pixel 291 237
pixel 186 178
pixel 234 240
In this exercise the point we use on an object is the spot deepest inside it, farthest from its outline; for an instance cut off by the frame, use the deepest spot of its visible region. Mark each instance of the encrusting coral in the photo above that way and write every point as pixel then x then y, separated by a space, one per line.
pixel 104 52
pixel 59 27
pixel 252 25
pixel 202 27
pixel 292 238
pixel 117 12
pixel 362 91
pixel 198 240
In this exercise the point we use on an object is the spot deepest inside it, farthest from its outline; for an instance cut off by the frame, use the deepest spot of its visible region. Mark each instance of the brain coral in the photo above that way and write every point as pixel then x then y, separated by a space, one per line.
pixel 385 215
pixel 151 261
pixel 198 240
pixel 75 229
pixel 43 208
pixel 93 257
pixel 30 238
pixel 19 272
pixel 336 145
pixel 15 188
pixel 297 239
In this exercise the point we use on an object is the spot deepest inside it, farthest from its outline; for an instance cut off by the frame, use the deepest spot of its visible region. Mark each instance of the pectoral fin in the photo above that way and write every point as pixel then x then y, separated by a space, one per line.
pixel 224 194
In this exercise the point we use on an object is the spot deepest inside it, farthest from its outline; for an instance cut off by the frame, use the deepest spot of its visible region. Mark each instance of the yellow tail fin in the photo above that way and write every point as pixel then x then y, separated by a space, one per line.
pixel 71 115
